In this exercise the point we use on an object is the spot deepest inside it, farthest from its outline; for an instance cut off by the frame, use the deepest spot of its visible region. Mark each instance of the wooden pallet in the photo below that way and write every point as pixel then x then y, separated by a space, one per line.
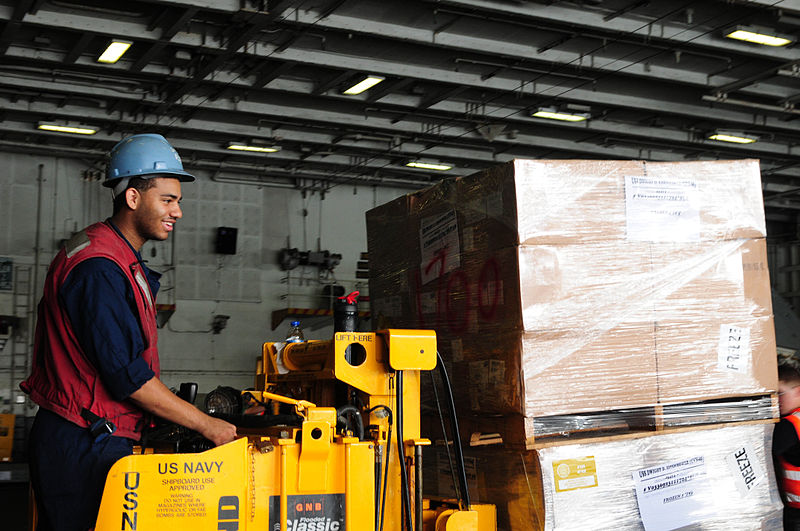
pixel 530 433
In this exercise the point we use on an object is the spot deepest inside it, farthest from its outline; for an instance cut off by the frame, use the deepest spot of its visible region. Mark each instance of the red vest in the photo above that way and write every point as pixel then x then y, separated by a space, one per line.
pixel 63 380
pixel 790 482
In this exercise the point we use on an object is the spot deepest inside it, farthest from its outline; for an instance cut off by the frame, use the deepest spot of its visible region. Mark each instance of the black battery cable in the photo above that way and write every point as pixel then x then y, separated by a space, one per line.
pixel 388 412
pixel 461 486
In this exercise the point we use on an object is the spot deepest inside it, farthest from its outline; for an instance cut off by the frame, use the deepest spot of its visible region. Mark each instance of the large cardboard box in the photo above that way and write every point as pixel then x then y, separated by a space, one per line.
pixel 560 287
pixel 580 201
pixel 715 333
pixel 719 478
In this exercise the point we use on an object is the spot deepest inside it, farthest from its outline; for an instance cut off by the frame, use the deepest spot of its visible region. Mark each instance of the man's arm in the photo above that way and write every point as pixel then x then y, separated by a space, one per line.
pixel 156 398
pixel 98 301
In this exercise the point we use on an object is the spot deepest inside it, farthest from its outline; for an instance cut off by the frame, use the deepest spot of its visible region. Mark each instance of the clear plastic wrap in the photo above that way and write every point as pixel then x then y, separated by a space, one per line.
pixel 562 288
pixel 705 479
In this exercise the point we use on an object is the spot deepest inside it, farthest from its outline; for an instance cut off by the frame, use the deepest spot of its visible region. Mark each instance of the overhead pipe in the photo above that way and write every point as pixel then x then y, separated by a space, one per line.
pixel 31 310
pixel 520 68
pixel 753 105
pixel 364 180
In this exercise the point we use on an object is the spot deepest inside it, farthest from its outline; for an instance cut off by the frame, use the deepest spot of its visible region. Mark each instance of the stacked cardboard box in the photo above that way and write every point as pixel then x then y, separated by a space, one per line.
pixel 569 287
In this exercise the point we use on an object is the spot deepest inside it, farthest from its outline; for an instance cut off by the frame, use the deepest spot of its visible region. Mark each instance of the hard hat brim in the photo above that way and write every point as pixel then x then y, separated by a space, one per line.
pixel 183 177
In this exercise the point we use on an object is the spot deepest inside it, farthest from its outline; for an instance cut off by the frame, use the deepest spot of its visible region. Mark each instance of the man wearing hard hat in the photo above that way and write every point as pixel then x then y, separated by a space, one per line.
pixel 95 369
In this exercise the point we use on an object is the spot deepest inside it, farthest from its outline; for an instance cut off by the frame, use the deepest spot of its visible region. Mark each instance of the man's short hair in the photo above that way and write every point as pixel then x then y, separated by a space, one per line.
pixel 788 374
pixel 140 184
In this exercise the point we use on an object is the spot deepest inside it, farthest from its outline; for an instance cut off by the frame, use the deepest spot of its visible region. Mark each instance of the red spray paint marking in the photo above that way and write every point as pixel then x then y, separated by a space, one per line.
pixel 456 316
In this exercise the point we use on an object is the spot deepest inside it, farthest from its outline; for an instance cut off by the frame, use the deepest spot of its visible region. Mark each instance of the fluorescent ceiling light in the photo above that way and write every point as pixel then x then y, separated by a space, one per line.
pixel 78 130
pixel 365 84
pixel 757 37
pixel 439 166
pixel 114 51
pixel 736 138
pixel 552 114
pixel 258 149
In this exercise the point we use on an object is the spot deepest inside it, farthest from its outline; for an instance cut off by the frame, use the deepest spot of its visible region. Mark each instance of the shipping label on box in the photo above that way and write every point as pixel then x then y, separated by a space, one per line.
pixel 444 473
pixel 439 246
pixel 671 495
pixel 571 474
pixel 733 353
pixel 745 468
pixel 428 303
pixel 487 377
pixel 661 209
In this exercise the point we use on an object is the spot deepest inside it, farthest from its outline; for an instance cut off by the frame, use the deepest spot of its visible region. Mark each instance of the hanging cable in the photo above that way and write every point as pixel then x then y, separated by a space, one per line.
pixel 388 411
pixel 406 492
pixel 446 443
pixel 462 474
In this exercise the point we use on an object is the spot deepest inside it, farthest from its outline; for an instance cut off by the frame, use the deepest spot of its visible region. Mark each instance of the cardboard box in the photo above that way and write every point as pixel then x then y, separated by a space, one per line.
pixel 719 478
pixel 582 371
pixel 715 334
pixel 579 201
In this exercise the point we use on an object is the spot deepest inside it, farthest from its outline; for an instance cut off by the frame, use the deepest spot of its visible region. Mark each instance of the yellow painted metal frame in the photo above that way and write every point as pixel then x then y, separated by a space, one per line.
pixel 231 487
pixel 260 482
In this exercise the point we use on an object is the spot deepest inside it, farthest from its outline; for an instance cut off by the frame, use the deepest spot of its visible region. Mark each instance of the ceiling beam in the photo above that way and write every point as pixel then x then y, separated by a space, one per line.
pixel 78 48
pixel 597 62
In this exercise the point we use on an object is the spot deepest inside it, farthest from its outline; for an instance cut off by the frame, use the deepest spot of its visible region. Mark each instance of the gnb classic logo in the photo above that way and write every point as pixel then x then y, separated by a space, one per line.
pixel 314 512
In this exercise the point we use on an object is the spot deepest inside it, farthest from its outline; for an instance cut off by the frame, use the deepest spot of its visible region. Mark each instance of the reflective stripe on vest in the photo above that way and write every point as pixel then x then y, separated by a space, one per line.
pixel 790 482
pixel 144 286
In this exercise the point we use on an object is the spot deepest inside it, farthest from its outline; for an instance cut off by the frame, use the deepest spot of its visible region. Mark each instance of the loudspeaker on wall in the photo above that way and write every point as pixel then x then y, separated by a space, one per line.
pixel 226 240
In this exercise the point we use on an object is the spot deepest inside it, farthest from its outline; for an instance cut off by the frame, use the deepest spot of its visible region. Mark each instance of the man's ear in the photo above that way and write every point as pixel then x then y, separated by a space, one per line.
pixel 132 198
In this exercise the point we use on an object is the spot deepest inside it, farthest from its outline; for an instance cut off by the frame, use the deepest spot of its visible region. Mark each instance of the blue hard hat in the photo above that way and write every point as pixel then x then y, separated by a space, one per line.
pixel 142 156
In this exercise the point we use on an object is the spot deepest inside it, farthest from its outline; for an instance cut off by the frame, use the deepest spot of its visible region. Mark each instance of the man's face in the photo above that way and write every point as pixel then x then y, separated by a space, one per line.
pixel 158 209
pixel 788 397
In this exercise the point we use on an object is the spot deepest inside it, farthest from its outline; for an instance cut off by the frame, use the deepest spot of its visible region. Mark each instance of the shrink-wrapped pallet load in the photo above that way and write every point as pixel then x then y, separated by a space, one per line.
pixel 561 288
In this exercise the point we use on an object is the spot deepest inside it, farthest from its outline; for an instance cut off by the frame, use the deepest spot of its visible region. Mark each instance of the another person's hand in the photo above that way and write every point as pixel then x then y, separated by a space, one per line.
pixel 218 431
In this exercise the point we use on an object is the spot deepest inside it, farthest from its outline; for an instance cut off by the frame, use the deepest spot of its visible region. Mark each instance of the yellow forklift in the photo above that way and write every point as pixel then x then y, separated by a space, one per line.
pixel 337 448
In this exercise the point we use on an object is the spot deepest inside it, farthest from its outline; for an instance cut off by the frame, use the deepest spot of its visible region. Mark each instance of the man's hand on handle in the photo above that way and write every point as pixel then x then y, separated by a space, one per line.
pixel 218 431
pixel 154 397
